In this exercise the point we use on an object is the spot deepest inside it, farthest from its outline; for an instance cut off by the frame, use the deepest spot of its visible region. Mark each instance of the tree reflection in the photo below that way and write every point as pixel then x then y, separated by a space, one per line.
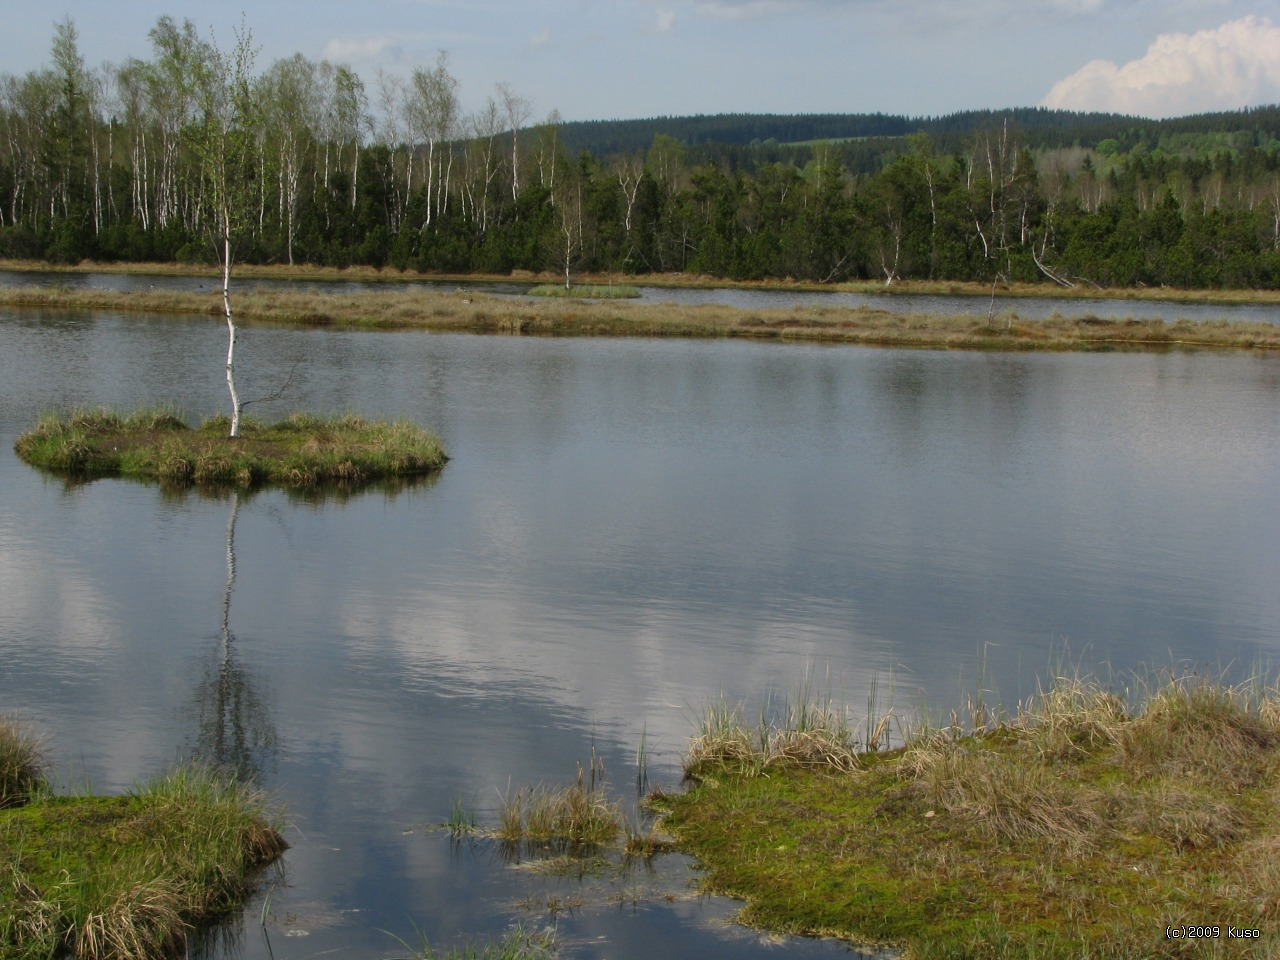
pixel 234 728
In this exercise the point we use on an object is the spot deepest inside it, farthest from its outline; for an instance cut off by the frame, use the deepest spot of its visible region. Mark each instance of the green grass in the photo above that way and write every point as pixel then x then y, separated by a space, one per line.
pixel 1081 826
pixel 129 876
pixel 589 291
pixel 301 451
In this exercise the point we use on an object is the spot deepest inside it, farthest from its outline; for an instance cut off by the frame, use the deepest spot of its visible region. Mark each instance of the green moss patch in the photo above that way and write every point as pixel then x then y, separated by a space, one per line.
pixel 1077 829
pixel 301 451
pixel 129 876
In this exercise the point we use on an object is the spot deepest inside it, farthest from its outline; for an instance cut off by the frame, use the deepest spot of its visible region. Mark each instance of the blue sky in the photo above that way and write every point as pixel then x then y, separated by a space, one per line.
pixel 599 59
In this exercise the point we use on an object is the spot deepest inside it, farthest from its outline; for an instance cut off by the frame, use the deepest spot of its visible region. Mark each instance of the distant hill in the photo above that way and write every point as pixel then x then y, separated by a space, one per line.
pixel 864 137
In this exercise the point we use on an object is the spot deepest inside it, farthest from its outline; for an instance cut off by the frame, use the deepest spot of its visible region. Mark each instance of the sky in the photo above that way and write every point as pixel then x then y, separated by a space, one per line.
pixel 620 59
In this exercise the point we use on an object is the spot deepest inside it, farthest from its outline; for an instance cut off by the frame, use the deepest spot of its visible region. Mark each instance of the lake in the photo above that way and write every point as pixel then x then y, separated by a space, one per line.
pixel 627 531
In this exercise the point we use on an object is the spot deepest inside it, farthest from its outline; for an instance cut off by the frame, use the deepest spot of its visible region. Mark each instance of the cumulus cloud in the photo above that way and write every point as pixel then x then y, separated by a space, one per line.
pixel 1235 65
pixel 666 21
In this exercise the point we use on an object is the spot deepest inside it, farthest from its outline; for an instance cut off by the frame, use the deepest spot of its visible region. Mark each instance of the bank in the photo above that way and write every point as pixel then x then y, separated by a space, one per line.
pixel 1080 827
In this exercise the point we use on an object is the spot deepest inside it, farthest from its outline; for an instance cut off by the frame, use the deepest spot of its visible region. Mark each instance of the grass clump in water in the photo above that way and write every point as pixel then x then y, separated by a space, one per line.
pixel 580 815
pixel 1086 825
pixel 301 451
pixel 519 944
pixel 130 876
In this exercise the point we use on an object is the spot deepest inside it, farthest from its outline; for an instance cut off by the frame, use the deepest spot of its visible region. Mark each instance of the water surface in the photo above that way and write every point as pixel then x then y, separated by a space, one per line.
pixel 627 530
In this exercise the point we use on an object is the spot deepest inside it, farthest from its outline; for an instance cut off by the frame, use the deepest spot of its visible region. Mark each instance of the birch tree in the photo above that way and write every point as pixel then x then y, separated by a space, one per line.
pixel 225 142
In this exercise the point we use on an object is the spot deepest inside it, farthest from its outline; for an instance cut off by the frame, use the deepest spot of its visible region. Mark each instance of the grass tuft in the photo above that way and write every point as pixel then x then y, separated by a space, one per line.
pixel 519 944
pixel 580 815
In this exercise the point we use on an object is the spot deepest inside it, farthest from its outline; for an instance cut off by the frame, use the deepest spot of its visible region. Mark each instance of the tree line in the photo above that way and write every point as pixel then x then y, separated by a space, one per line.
pixel 114 163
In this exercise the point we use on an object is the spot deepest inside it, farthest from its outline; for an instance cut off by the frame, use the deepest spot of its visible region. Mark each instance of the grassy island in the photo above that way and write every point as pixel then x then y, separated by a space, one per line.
pixel 1078 828
pixel 301 451
pixel 586 291
pixel 130 876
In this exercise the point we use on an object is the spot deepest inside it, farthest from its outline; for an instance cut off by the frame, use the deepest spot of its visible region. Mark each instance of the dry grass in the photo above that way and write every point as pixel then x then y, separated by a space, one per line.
pixel 476 313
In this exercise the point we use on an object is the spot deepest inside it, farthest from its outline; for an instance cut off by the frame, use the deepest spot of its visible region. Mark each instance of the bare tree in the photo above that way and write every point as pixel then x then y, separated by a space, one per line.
pixel 518 110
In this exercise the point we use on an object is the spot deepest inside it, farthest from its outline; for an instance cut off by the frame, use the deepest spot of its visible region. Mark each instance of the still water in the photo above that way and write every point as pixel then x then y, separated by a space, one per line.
pixel 627 530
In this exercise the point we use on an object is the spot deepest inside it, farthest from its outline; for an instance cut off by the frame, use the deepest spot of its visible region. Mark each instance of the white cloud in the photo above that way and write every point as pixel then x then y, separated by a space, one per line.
pixel 348 49
pixel 666 20
pixel 540 39
pixel 747 9
pixel 1236 65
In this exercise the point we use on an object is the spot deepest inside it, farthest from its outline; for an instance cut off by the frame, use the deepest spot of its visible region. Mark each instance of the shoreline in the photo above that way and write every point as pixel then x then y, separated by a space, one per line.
pixel 463 311
pixel 905 288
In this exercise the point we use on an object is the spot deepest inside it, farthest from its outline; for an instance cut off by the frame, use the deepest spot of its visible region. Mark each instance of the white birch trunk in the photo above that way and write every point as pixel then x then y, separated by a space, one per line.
pixel 231 333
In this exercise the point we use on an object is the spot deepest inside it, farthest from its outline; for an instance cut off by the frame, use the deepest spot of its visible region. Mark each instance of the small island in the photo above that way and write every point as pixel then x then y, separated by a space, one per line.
pixel 300 452
pixel 89 877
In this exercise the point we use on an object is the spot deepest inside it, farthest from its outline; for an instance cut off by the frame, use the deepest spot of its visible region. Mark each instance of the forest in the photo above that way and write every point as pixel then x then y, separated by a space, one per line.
pixel 112 164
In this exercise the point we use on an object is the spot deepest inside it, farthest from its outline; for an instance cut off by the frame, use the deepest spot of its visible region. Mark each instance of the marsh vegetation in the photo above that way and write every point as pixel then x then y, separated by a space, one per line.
pixel 1080 825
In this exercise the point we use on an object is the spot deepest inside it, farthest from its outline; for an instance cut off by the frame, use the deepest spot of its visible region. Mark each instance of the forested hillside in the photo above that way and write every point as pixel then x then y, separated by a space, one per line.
pixel 108 164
